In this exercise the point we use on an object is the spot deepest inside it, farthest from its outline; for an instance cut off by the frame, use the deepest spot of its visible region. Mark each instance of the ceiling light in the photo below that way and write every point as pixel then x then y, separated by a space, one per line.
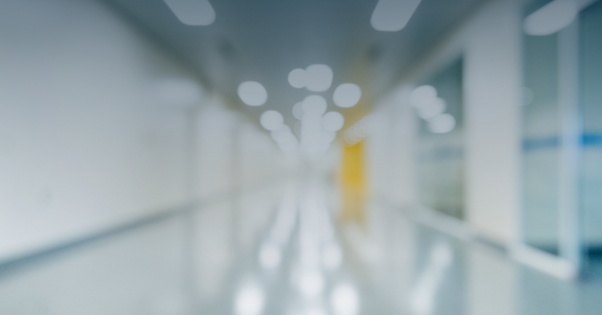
pixel 347 95
pixel 422 95
pixel 551 18
pixel 319 78
pixel 192 12
pixel 314 105
pixel 252 93
pixel 443 123
pixel 271 120
pixel 333 121
pixel 393 15
pixel 297 78
pixel 431 109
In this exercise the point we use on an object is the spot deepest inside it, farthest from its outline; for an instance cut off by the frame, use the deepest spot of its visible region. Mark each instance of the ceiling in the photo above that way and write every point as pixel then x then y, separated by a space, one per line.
pixel 263 40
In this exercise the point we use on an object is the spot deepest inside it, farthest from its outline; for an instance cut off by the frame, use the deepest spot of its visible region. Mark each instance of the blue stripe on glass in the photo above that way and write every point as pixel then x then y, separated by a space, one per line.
pixel 587 140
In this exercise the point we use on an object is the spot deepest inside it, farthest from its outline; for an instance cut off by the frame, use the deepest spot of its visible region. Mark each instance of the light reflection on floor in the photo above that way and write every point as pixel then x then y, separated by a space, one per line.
pixel 283 250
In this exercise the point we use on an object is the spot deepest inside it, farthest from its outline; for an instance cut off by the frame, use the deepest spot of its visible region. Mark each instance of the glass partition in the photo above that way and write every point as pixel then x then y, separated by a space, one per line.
pixel 441 142
pixel 562 143
pixel 540 135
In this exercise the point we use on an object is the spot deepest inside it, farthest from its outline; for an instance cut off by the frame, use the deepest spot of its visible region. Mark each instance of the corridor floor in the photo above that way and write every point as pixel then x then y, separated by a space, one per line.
pixel 285 250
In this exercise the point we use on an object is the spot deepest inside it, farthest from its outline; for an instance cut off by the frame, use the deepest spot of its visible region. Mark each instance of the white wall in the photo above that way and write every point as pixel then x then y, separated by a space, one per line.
pixel 489 41
pixel 492 84
pixel 215 148
pixel 390 157
pixel 86 142
pixel 97 126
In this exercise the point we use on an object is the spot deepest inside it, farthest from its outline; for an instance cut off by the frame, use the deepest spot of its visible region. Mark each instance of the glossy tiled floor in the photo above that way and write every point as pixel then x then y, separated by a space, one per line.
pixel 283 251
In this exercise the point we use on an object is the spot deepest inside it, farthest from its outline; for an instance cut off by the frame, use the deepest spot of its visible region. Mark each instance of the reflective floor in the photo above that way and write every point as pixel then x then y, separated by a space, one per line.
pixel 286 250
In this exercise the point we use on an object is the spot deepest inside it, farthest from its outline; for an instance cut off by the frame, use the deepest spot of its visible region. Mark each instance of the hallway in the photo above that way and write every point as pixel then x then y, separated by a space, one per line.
pixel 315 157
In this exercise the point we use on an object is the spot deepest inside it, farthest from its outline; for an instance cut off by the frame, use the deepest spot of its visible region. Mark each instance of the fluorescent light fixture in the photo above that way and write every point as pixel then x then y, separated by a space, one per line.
pixel 551 18
pixel 252 93
pixel 192 12
pixel 393 15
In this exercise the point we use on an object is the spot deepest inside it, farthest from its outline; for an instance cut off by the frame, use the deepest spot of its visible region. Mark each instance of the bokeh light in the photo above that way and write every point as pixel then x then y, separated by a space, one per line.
pixel 347 95
pixel 443 123
pixel 314 105
pixel 333 121
pixel 252 93
pixel 319 77
pixel 297 78
pixel 271 120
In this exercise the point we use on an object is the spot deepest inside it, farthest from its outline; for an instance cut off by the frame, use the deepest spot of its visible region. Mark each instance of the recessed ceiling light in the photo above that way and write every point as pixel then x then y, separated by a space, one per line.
pixel 192 12
pixel 393 15
pixel 551 18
